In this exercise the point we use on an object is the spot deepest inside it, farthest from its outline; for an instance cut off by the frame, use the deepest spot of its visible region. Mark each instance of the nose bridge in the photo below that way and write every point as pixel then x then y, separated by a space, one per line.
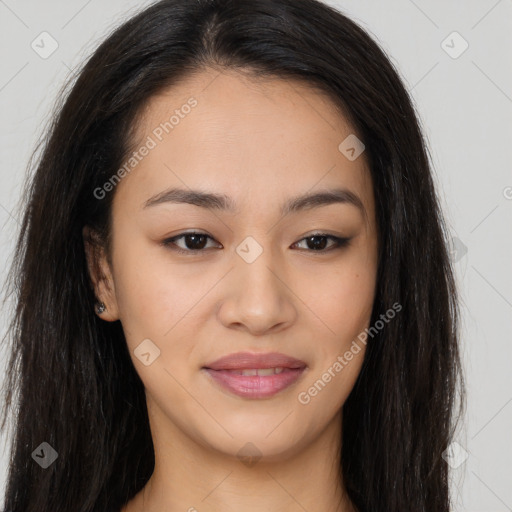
pixel 255 267
pixel 258 298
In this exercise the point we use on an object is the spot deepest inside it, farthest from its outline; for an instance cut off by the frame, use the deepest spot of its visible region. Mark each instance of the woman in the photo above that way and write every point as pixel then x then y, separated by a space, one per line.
pixel 232 279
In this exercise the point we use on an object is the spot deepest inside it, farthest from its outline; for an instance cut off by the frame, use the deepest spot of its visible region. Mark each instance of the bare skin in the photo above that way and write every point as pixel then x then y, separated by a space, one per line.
pixel 260 144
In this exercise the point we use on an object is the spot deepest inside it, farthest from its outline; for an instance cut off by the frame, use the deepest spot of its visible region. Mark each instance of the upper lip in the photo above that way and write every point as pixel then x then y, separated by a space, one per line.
pixel 248 360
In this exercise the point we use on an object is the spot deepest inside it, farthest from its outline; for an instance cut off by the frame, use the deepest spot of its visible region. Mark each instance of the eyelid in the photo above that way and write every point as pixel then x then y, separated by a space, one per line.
pixel 169 242
pixel 339 242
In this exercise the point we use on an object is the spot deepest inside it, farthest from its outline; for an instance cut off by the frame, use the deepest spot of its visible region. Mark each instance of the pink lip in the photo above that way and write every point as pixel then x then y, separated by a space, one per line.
pixel 255 386
pixel 247 360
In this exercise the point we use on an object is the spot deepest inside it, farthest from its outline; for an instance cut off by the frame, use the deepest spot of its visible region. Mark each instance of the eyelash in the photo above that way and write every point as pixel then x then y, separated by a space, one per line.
pixel 339 243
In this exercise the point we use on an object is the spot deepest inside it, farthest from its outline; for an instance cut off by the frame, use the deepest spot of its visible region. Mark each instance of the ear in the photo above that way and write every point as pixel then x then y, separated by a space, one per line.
pixel 100 274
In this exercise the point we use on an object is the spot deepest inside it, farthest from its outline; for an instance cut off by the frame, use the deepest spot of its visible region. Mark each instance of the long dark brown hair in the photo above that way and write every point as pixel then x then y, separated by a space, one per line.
pixel 70 380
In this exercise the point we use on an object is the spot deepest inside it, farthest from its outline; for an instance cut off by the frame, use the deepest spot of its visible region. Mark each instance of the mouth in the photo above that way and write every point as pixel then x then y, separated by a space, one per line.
pixel 255 376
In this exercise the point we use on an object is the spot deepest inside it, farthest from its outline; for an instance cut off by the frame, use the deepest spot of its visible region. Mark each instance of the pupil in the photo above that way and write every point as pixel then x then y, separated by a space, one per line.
pixel 194 239
pixel 316 245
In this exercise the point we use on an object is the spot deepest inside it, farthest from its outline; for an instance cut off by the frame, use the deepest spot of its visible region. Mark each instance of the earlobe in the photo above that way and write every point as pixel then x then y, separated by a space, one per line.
pixel 100 276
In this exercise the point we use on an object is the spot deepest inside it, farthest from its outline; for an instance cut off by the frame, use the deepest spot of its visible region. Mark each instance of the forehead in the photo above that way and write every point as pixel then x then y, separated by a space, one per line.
pixel 226 132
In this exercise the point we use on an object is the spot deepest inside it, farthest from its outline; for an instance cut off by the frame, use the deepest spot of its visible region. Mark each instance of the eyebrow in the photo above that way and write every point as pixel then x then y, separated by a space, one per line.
pixel 222 202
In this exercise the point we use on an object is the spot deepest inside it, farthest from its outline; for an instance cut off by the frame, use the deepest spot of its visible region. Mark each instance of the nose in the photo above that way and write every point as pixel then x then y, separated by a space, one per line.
pixel 257 297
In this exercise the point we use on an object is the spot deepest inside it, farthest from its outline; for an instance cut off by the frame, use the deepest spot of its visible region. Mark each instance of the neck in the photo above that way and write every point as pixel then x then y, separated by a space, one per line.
pixel 189 476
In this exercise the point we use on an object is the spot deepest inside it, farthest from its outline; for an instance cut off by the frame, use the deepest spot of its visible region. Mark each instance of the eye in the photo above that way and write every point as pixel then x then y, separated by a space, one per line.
pixel 196 242
pixel 318 241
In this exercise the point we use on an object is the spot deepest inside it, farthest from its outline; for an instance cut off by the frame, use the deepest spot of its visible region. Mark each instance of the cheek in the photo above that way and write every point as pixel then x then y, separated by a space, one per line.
pixel 343 301
pixel 151 295
pixel 342 296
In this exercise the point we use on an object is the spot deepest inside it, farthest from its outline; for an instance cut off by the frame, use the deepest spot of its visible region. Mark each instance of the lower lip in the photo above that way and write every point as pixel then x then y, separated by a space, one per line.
pixel 255 386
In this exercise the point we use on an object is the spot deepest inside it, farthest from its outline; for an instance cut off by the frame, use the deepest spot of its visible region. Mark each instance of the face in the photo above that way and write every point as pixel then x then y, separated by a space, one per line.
pixel 253 270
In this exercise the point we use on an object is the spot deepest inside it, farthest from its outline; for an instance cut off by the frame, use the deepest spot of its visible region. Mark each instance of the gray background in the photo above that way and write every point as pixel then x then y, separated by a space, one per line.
pixel 465 105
